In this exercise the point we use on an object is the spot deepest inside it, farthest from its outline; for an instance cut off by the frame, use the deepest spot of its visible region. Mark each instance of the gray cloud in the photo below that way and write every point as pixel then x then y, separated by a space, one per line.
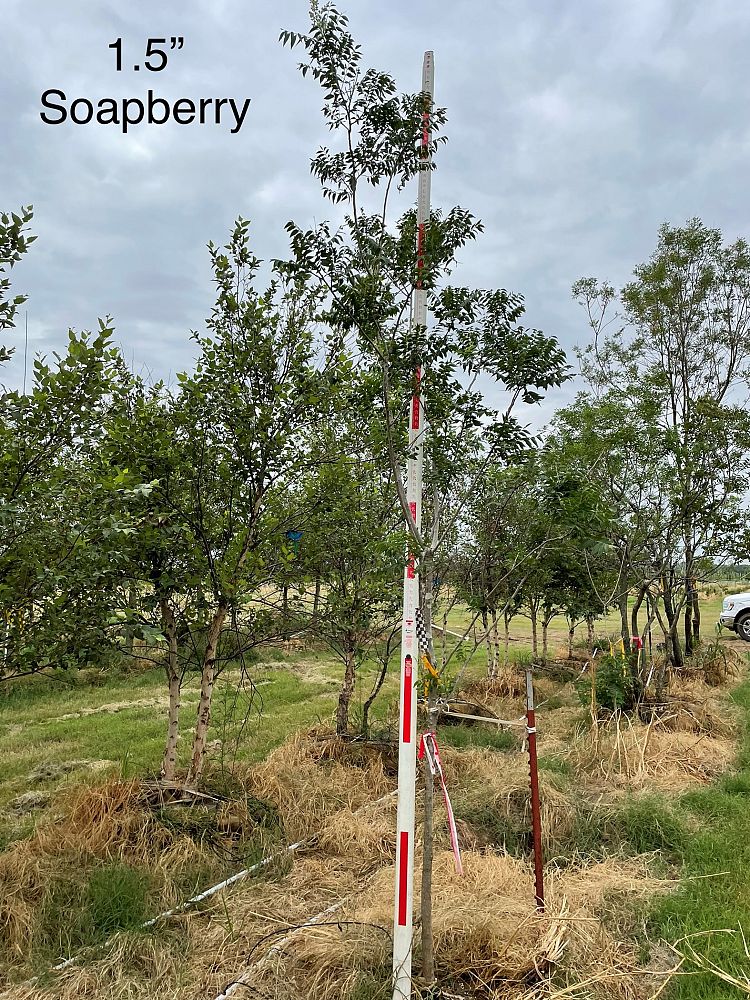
pixel 575 131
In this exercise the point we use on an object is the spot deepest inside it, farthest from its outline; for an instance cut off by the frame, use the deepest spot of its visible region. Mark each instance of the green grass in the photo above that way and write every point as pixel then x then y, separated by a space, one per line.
pixel 115 722
pixel 81 909
pixel 492 738
pixel 707 901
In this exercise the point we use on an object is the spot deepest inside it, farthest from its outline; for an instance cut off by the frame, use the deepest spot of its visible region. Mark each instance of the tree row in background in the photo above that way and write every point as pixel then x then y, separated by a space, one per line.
pixel 262 496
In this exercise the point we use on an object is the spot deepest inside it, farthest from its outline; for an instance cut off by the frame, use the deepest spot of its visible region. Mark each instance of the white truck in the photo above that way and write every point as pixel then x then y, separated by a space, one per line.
pixel 735 614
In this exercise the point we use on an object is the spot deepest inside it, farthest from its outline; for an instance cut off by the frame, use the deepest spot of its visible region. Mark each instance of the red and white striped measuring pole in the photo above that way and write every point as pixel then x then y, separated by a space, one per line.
pixel 407 752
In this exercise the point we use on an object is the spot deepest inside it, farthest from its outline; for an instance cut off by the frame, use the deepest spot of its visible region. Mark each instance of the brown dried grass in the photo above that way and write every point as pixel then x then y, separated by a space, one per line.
pixel 487 931
pixel 92 822
pixel 695 706
pixel 135 966
pixel 232 941
pixel 479 780
pixel 369 836
pixel 508 682
pixel 308 779
pixel 623 753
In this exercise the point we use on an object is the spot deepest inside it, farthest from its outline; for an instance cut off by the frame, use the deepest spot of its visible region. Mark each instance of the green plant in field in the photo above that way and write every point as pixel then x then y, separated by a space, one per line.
pixel 372 985
pixel 83 909
pixel 649 824
pixel 116 898
pixel 477 736
pixel 617 689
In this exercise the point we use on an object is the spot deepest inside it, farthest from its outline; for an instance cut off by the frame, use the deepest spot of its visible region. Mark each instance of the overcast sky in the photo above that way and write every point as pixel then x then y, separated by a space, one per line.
pixel 575 130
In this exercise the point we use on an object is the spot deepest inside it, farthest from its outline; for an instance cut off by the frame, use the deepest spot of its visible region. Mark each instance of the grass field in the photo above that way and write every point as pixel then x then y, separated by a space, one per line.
pixel 60 732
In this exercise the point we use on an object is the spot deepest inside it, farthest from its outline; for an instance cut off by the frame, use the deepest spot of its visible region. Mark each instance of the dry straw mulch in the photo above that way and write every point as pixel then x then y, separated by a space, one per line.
pixel 488 935
pixel 310 778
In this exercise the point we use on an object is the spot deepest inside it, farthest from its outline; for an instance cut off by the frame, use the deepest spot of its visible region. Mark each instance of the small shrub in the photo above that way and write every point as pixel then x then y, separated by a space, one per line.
pixel 617 689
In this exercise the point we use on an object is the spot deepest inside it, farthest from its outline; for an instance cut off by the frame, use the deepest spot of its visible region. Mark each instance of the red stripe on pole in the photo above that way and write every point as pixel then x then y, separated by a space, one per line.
pixel 415 413
pixel 403 877
pixel 408 687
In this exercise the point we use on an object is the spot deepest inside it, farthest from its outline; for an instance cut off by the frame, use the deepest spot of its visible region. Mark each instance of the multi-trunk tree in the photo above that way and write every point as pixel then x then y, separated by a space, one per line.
pixel 668 369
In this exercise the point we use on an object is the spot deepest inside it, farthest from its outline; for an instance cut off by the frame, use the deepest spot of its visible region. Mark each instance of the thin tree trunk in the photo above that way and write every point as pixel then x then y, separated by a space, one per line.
pixel 590 632
pixel 428 946
pixel 487 640
pixel 545 626
pixel 696 611
pixel 428 957
pixel 347 688
pixel 622 604
pixel 672 639
pixel 444 639
pixel 634 629
pixel 571 636
pixel 208 675
pixel 506 638
pixel 376 689
pixel 132 604
pixel 495 644
pixel 174 683
pixel 534 642
pixel 316 601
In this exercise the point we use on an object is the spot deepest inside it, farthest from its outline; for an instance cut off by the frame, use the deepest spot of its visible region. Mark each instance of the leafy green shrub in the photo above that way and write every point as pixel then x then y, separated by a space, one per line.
pixel 617 689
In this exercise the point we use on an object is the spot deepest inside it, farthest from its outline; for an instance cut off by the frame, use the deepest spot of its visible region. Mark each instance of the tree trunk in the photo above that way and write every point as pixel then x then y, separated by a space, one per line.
pixel 347 688
pixel 428 961
pixel 672 639
pixel 506 638
pixel 571 636
pixel 174 683
pixel 696 612
pixel 316 601
pixel 487 640
pixel 133 606
pixel 545 626
pixel 428 957
pixel 534 642
pixel 495 644
pixel 622 604
pixel 208 674
pixel 376 689
pixel 634 630
pixel 590 632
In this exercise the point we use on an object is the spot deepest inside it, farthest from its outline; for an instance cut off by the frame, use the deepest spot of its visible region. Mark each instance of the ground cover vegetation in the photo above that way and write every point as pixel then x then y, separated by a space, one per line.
pixel 231 550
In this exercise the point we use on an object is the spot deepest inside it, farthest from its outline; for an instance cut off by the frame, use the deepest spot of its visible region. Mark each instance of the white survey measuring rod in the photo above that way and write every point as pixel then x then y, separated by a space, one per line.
pixel 407 752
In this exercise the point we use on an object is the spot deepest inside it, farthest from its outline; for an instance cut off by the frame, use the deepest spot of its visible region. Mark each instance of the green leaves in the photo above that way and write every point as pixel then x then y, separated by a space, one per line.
pixel 14 243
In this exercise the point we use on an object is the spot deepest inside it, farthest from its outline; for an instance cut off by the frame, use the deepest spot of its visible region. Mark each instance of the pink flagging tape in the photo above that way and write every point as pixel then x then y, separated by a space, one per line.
pixel 428 747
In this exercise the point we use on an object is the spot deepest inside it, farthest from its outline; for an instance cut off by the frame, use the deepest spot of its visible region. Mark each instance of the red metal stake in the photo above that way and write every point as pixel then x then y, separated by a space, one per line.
pixel 536 817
